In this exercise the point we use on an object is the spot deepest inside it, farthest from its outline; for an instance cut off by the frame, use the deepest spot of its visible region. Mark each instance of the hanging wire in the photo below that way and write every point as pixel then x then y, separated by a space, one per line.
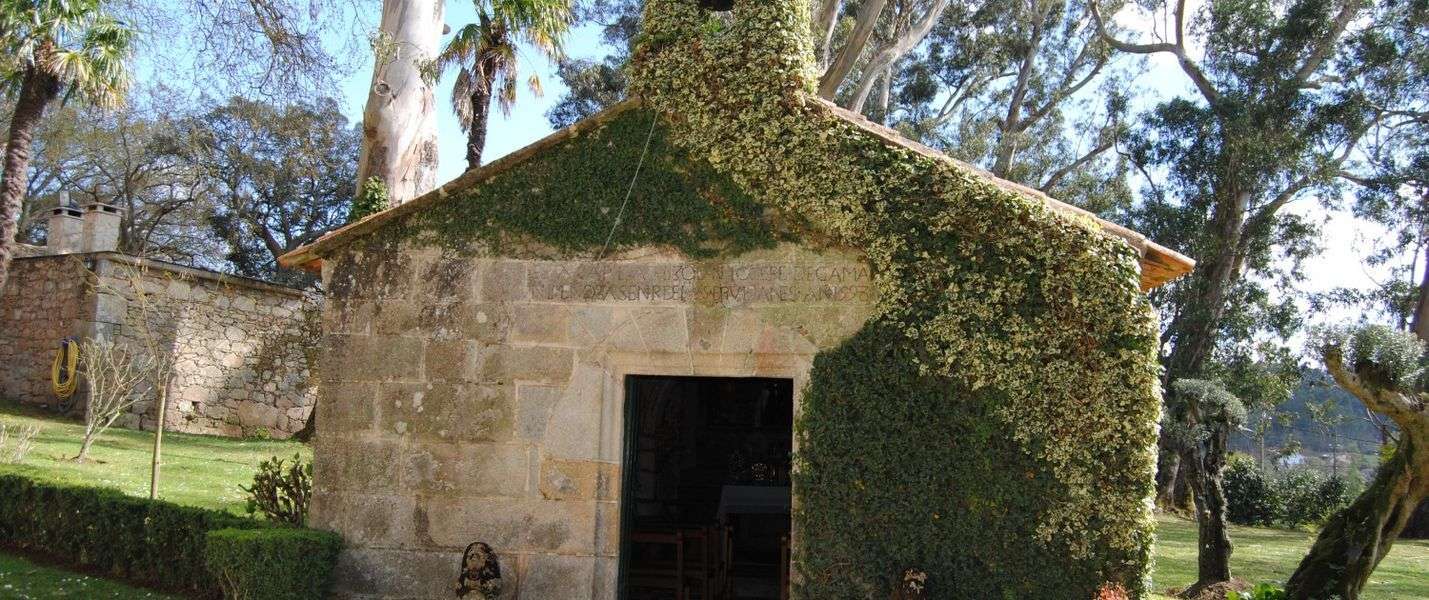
pixel 631 190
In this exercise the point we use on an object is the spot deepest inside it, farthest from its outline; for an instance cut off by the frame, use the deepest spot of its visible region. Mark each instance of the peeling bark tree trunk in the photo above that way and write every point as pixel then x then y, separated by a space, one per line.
pixel 852 49
pixel 37 90
pixel 1354 541
pixel 399 127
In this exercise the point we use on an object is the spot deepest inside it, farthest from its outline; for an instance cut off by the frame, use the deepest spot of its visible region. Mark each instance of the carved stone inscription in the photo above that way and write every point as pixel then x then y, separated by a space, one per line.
pixel 723 284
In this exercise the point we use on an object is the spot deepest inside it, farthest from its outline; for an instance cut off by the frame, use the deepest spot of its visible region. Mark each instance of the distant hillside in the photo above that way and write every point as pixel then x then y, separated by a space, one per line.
pixel 1356 434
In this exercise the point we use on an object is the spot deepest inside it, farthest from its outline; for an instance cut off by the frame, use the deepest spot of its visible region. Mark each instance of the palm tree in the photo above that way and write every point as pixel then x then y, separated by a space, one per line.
pixel 485 54
pixel 52 49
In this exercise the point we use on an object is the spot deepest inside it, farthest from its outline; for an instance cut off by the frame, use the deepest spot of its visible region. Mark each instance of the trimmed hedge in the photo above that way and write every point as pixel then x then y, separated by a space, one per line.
pixel 155 543
pixel 272 564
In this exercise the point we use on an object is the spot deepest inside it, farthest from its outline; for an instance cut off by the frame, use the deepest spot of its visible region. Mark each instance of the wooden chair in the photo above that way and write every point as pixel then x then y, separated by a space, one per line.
pixel 784 568
pixel 660 575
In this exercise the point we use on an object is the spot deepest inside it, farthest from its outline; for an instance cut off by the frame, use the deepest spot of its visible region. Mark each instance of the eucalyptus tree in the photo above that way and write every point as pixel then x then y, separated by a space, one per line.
pixel 898 28
pixel 861 48
pixel 485 55
pixel 592 85
pixel 399 121
pixel 1026 89
pixel 1280 95
pixel 52 49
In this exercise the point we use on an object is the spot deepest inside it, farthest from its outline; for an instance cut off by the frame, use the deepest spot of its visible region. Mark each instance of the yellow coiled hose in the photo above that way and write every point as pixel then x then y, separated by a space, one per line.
pixel 64 376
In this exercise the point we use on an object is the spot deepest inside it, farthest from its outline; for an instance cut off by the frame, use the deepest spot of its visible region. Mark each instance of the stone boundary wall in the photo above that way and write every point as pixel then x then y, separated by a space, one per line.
pixel 46 299
pixel 479 399
pixel 242 349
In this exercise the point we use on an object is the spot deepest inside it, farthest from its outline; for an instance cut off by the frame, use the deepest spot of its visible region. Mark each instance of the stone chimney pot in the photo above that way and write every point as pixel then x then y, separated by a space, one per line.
pixel 101 227
pixel 66 228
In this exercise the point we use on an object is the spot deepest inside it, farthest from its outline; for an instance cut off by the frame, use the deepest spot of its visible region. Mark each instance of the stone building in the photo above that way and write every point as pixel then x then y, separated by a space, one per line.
pixel 241 347
pixel 594 351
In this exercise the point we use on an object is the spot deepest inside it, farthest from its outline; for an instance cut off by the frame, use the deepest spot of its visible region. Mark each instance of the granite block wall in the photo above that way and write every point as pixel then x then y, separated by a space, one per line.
pixel 482 399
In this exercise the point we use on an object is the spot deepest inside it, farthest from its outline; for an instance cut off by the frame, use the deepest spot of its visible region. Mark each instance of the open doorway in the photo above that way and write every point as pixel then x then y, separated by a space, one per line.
pixel 706 498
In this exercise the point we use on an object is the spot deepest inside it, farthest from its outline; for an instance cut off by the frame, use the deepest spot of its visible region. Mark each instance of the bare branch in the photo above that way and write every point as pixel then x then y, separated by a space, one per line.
pixel 1193 71
pixel 1091 155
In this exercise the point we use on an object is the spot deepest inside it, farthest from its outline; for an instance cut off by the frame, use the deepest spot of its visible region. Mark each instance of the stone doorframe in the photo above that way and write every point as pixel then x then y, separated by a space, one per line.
pixel 619 366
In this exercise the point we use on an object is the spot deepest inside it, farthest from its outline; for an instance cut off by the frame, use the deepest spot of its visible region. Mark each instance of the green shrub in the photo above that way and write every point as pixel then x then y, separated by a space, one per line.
pixel 155 543
pixel 1310 497
pixel 1252 497
pixel 280 493
pixel 146 541
pixel 1264 591
pixel 272 564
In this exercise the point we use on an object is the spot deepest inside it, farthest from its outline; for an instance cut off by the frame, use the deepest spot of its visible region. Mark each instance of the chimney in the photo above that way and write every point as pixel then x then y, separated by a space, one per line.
pixel 101 227
pixel 66 228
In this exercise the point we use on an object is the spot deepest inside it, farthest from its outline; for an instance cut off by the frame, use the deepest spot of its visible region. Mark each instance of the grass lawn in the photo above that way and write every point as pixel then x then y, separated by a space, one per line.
pixel 198 470
pixel 1271 555
pixel 206 471
pixel 21 579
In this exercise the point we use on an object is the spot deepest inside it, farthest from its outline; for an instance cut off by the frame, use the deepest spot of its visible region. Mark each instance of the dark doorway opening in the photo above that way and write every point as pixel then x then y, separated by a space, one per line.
pixel 706 498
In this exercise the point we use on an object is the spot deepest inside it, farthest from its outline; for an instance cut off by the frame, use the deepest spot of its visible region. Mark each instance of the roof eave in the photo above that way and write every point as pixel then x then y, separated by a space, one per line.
pixel 1159 264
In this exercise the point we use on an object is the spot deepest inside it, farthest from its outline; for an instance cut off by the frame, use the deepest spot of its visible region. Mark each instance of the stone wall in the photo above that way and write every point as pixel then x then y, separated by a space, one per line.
pixel 242 349
pixel 46 299
pixel 482 399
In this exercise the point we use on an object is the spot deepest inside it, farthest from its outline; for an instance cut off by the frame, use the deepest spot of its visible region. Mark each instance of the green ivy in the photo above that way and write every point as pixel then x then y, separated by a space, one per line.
pixel 372 198
pixel 568 200
pixel 1002 308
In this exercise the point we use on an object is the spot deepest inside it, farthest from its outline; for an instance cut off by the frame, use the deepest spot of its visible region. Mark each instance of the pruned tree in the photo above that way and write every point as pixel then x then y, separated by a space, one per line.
pixel 1201 421
pixel 486 56
pixel 52 49
pixel 399 128
pixel 1383 367
pixel 114 374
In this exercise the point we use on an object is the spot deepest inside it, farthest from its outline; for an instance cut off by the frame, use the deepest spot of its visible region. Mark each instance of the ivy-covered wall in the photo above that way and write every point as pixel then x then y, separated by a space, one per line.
pixel 993 424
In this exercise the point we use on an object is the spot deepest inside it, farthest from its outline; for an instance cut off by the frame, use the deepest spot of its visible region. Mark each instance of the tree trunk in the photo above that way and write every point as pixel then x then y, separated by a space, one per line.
pixel 853 48
pixel 158 441
pixel 1356 538
pixel 37 90
pixel 1196 329
pixel 399 127
pixel 1420 324
pixel 480 113
pixel 84 446
pixel 1213 538
pixel 824 25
